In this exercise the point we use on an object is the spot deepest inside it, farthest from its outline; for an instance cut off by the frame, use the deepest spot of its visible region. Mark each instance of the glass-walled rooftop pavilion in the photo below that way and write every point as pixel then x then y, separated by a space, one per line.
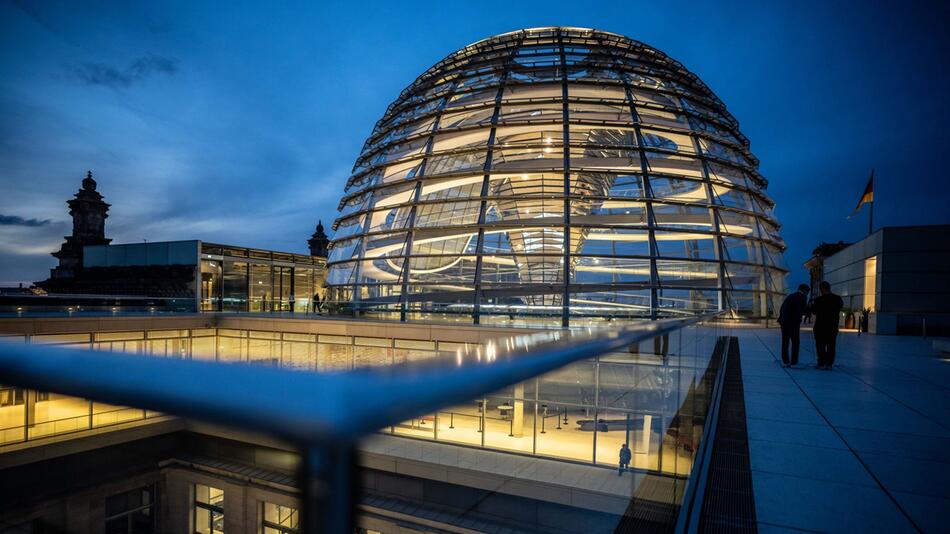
pixel 581 413
pixel 215 277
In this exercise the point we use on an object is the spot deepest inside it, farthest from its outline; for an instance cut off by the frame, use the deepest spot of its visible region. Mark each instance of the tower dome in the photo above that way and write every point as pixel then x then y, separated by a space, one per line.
pixel 559 175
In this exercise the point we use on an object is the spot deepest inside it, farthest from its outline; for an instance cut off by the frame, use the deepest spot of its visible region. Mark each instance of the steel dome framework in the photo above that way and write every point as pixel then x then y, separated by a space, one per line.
pixel 562 174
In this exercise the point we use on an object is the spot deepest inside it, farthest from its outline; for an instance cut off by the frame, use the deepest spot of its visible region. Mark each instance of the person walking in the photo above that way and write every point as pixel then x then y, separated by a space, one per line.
pixel 827 308
pixel 625 456
pixel 790 319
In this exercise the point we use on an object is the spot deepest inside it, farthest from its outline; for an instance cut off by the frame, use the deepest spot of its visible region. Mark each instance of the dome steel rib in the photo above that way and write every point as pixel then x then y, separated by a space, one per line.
pixel 556 175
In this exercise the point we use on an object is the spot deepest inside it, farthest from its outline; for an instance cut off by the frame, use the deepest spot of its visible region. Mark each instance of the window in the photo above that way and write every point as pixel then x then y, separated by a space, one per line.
pixel 303 290
pixel 210 285
pixel 870 284
pixel 261 296
pixel 279 519
pixel 209 510
pixel 234 286
pixel 131 512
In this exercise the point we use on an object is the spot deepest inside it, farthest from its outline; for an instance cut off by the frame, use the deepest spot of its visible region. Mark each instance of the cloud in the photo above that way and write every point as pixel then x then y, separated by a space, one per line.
pixel 13 220
pixel 116 78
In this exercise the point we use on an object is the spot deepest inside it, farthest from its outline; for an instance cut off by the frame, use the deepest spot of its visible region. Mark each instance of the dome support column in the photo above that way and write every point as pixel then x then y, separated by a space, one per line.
pixel 486 179
pixel 648 200
pixel 566 243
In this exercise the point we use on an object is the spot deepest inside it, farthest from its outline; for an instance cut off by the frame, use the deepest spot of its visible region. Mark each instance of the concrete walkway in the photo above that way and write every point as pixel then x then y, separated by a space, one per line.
pixel 865 447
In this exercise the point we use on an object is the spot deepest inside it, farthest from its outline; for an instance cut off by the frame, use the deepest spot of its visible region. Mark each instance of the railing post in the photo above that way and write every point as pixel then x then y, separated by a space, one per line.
pixel 29 412
pixel 330 491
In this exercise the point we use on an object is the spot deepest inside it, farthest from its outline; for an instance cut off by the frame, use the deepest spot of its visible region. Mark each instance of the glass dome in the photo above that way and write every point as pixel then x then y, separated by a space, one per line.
pixel 556 175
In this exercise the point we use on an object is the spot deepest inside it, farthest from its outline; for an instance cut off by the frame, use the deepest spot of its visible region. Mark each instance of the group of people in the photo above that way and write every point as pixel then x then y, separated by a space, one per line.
pixel 826 309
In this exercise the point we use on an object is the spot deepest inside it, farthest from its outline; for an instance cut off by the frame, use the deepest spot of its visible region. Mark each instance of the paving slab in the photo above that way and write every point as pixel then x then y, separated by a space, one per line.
pixel 929 513
pixel 768 430
pixel 822 506
pixel 815 463
pixel 865 447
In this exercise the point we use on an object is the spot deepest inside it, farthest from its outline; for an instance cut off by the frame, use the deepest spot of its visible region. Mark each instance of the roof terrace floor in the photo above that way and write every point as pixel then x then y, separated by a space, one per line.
pixel 861 448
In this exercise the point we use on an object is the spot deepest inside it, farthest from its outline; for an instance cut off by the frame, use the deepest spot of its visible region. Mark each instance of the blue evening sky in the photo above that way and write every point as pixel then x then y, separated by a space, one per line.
pixel 239 122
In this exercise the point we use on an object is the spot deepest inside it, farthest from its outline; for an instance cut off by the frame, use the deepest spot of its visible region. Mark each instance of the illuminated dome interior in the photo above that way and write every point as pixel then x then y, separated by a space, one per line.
pixel 558 175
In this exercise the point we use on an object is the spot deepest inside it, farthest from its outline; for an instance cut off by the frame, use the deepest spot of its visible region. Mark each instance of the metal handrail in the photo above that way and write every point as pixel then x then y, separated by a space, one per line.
pixel 322 413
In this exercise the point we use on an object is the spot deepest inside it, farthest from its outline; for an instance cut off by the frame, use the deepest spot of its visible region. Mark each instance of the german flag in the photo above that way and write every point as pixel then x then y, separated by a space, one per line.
pixel 867 197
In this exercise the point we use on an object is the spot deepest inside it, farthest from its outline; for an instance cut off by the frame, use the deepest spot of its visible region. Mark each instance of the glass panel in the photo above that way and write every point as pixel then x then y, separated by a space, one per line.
pixel 682 216
pixel 108 414
pixel 689 301
pixel 613 242
pixel 263 351
pixel 515 113
pixel 280 518
pixel 568 394
pixel 261 288
pixel 208 509
pixel 283 285
pixel 610 270
pixel 509 420
pixel 55 414
pixel 211 287
pixel 609 304
pixel 458 140
pixel 12 414
pixel 447 214
pixel 678 189
pixel 469 117
pixel 305 297
pixel 334 357
pixel 685 245
pixel 690 272
pixel 600 113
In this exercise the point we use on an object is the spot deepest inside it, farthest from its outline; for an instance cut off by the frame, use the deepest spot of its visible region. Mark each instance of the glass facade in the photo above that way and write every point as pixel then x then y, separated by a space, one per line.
pixel 209 277
pixel 239 280
pixel 653 395
pixel 556 175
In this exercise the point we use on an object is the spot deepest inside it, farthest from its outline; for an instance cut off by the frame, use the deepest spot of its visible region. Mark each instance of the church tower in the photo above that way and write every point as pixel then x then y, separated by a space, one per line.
pixel 319 242
pixel 89 213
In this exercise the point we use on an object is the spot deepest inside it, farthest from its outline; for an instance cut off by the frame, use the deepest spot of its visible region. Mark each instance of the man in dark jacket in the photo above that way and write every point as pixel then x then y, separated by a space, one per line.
pixel 827 309
pixel 790 319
